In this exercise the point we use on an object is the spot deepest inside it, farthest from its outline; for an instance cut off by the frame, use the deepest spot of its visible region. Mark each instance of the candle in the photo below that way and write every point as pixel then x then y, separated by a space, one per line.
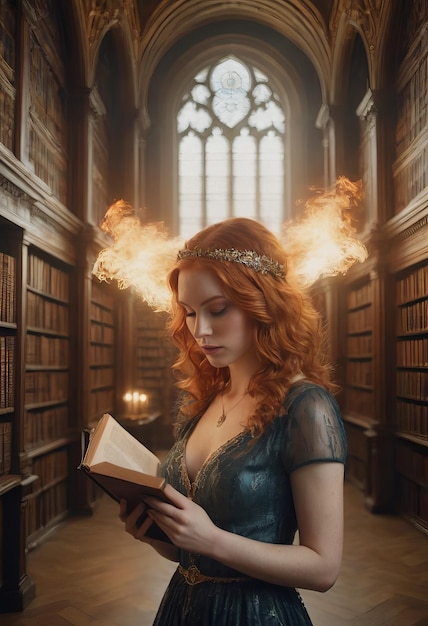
pixel 135 402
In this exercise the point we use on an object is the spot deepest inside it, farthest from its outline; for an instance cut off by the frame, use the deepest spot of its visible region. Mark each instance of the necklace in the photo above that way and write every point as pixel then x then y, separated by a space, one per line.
pixel 224 413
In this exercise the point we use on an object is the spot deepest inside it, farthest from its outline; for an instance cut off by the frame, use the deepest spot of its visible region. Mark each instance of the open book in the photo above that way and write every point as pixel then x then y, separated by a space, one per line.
pixel 122 466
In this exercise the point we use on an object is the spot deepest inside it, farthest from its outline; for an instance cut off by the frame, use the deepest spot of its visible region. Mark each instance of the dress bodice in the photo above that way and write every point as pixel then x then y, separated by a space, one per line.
pixel 244 486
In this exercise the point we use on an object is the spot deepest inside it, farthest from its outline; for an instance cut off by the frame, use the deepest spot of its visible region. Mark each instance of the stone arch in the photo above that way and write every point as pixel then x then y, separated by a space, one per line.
pixel 304 27
pixel 288 78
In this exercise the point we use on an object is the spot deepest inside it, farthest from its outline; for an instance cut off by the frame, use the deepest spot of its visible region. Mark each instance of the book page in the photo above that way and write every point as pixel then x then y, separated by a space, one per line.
pixel 120 448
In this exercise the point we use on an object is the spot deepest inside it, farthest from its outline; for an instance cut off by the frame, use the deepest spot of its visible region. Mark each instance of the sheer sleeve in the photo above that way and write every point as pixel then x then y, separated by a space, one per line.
pixel 314 429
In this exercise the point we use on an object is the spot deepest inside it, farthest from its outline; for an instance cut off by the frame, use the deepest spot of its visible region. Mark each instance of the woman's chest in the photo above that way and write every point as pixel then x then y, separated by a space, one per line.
pixel 240 472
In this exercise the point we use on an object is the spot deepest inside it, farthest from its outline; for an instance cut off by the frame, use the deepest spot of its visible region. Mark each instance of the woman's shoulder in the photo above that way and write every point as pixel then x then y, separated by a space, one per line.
pixel 312 427
pixel 307 390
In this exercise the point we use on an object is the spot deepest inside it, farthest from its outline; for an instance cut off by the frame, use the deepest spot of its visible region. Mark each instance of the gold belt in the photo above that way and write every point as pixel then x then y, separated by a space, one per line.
pixel 193 576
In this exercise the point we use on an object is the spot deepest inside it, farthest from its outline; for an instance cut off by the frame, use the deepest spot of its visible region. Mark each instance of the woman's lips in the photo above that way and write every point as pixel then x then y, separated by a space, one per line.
pixel 210 349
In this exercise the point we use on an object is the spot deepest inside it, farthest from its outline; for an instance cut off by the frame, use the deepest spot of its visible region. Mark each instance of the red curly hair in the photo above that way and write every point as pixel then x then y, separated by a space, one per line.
pixel 289 335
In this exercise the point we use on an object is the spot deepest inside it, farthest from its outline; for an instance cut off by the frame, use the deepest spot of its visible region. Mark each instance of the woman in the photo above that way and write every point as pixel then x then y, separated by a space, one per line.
pixel 260 445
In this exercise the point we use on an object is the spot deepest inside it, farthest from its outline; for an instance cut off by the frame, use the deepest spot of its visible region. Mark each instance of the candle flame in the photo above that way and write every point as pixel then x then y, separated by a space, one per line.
pixel 323 243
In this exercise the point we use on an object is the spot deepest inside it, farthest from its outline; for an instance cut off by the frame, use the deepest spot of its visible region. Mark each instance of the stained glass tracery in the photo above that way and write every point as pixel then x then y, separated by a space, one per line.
pixel 231 136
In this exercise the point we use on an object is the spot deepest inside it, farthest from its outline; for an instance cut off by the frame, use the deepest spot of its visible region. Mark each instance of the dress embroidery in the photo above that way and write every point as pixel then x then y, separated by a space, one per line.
pixel 246 490
pixel 191 487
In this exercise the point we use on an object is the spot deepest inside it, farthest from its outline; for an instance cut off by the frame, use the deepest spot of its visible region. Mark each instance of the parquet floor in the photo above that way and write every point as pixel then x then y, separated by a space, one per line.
pixel 90 573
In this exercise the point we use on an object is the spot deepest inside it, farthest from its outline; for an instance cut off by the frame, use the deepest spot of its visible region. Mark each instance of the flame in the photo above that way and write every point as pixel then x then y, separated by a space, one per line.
pixel 324 242
pixel 140 255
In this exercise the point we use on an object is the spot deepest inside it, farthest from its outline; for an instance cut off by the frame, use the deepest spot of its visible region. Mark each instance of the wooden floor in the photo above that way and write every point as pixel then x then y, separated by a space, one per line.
pixel 90 573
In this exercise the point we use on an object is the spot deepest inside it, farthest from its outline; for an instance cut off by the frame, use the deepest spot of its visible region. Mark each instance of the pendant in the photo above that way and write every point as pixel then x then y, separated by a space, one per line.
pixel 221 419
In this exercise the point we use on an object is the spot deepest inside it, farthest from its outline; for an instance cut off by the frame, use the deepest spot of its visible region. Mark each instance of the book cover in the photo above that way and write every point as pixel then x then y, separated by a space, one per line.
pixel 122 467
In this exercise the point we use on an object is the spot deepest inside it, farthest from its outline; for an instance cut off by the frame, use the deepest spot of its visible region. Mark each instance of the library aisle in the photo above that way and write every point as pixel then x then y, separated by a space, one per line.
pixel 90 573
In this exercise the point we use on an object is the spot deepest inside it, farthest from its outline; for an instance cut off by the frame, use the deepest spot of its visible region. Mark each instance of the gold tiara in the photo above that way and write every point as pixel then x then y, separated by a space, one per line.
pixel 257 262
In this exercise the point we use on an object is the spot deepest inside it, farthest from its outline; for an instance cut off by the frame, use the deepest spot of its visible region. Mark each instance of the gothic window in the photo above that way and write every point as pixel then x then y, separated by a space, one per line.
pixel 231 138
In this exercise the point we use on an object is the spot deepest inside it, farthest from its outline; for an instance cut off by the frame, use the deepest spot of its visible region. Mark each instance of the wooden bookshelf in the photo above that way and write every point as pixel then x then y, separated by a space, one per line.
pixel 101 351
pixel 358 384
pixel 412 393
pixel 412 125
pixel 100 157
pixel 8 337
pixel 47 383
pixel 48 114
pixel 150 355
pixel 154 355
pixel 16 589
pixel 7 74
pixel 359 351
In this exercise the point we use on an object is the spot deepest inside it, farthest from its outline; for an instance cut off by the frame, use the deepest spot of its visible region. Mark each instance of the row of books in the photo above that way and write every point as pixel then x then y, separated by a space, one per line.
pixel 412 500
pixel 101 377
pixel 47 278
pixel 42 426
pixel 7 288
pixel 412 352
pixel 412 384
pixel 5 447
pixel 412 116
pixel 411 462
pixel 359 373
pixel 413 318
pixel 42 509
pixel 49 164
pixel 43 350
pixel 360 319
pixel 7 371
pixel 46 386
pixel 359 344
pixel 410 179
pixel 100 354
pixel 101 314
pixel 101 295
pixel 50 468
pixel 360 297
pixel 101 401
pixel 46 87
pixel 101 334
pixel 413 286
pixel 412 418
pixel 151 352
pixel 359 402
pixel 46 314
pixel 147 352
pixel 7 112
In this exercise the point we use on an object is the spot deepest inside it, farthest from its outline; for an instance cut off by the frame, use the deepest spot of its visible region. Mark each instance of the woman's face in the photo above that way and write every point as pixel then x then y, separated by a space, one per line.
pixel 223 331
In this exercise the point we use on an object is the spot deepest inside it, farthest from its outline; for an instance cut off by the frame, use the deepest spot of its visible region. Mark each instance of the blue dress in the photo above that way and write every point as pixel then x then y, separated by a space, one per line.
pixel 245 489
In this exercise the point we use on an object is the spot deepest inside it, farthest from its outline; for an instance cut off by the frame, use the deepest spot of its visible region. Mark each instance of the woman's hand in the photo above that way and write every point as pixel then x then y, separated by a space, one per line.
pixel 185 522
pixel 137 523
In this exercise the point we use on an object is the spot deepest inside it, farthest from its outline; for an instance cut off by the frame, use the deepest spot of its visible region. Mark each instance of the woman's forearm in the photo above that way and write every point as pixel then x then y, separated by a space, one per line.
pixel 287 565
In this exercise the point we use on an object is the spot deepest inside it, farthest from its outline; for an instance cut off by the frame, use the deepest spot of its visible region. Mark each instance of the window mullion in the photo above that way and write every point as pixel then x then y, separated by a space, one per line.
pixel 258 209
pixel 230 186
pixel 204 183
